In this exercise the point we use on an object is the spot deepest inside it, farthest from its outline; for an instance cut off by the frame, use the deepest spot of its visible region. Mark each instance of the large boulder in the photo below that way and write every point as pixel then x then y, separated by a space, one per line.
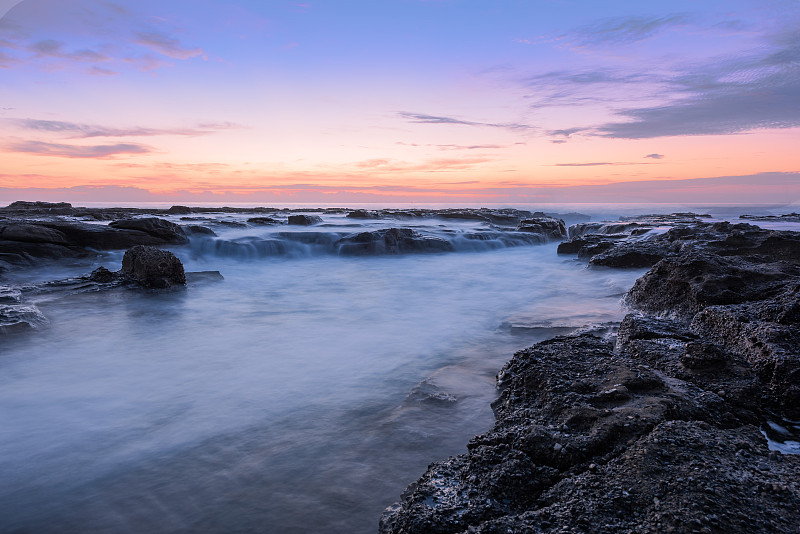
pixel 152 267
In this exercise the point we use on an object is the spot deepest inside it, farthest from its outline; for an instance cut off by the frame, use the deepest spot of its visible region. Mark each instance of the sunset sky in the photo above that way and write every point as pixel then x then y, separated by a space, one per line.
pixel 345 101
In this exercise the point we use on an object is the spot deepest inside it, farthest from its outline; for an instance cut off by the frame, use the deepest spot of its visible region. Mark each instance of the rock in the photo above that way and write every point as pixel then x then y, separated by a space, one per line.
pixel 152 267
pixel 195 229
pixel 547 226
pixel 630 255
pixel 363 214
pixel 601 228
pixel 180 210
pixel 10 295
pixel 264 220
pixel 703 355
pixel 23 205
pixel 102 275
pixel 687 283
pixel 32 233
pixel 304 220
pixel 44 208
pixel 585 436
pixel 168 231
pixel 17 318
pixel 390 241
pixel 203 276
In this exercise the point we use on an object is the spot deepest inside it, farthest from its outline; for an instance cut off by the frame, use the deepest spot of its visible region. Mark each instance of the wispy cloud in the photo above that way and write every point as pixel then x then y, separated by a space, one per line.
pixel 112 37
pixel 74 130
pixel 655 156
pixel 421 118
pixel 383 165
pixel 73 151
pixel 623 30
pixel 760 91
pixel 454 147
pixel 166 45
pixel 600 163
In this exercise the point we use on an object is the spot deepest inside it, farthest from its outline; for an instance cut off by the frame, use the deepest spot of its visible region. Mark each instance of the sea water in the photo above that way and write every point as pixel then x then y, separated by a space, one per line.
pixel 302 393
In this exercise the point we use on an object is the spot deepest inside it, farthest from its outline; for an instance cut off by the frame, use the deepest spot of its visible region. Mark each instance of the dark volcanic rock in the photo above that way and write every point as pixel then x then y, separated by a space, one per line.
pixel 390 241
pixel 168 231
pixel 592 440
pixel 152 267
pixel 304 220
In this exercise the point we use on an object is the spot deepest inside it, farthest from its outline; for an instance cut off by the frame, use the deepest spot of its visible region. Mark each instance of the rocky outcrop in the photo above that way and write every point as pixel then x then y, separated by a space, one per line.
pixel 592 437
pixel 152 267
pixel 304 220
pixel 23 241
pixel 390 241
pixel 654 431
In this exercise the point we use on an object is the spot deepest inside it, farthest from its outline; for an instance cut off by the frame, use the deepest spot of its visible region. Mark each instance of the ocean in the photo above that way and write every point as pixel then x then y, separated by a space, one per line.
pixel 302 393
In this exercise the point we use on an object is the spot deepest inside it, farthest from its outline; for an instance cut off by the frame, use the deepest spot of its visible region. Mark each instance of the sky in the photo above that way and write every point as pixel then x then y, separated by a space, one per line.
pixel 449 101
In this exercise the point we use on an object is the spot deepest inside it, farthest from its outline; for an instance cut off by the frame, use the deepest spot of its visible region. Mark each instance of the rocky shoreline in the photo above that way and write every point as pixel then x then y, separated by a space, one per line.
pixel 653 425
pixel 656 428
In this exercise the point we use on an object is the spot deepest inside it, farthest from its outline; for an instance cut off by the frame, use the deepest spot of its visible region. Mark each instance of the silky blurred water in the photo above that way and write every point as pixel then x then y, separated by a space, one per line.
pixel 302 393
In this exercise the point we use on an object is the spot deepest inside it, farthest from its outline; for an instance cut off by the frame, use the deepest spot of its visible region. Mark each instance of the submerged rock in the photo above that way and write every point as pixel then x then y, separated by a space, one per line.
pixel 16 318
pixel 390 241
pixel 263 220
pixel 152 267
pixel 549 227
pixel 160 228
pixel 304 220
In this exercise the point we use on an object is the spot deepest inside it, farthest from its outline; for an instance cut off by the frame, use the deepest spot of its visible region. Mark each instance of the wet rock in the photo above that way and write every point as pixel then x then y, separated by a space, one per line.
pixel 10 295
pixel 547 226
pixel 689 282
pixel 102 275
pixel 390 241
pixel 629 255
pixel 151 267
pixel 44 208
pixel 601 228
pixel 363 214
pixel 180 210
pixel 304 220
pixel 703 355
pixel 168 231
pixel 263 221
pixel 197 277
pixel 196 229
pixel 32 233
pixel 589 439
pixel 17 318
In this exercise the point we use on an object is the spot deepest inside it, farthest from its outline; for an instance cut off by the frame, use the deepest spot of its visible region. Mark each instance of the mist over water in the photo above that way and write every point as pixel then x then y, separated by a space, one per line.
pixel 301 394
